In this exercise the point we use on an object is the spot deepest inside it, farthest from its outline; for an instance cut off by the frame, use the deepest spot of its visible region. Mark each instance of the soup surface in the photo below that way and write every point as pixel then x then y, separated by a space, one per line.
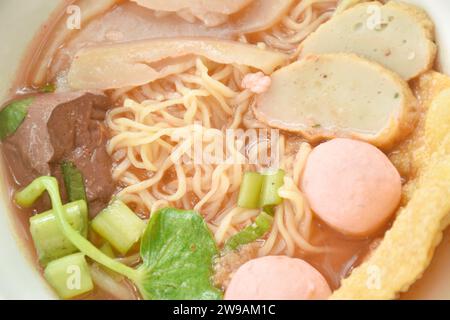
pixel 172 150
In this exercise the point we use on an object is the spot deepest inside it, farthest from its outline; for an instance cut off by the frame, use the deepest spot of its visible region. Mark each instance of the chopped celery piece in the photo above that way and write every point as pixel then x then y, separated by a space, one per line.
pixel 177 249
pixel 253 232
pixel 49 239
pixel 73 181
pixel 27 196
pixel 12 116
pixel 108 250
pixel 250 190
pixel 120 226
pixel 69 276
pixel 269 191
pixel 111 283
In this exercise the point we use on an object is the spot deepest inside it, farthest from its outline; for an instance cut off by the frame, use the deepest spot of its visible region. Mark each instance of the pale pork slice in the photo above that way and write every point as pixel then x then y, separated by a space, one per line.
pixel 123 23
pixel 396 35
pixel 219 6
pixel 129 22
pixel 90 10
pixel 211 12
pixel 252 17
pixel 339 95
pixel 261 15
pixel 140 62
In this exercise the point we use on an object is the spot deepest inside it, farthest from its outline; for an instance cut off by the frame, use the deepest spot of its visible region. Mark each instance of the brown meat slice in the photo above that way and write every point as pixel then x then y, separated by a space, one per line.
pixel 59 127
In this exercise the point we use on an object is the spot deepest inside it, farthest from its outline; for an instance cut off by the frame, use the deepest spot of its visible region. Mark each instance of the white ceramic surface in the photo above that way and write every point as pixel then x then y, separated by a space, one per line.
pixel 19 20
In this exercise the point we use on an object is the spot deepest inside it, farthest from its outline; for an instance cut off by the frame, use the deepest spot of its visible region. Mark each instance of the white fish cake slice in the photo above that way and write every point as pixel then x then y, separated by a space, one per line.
pixel 339 95
pixel 396 35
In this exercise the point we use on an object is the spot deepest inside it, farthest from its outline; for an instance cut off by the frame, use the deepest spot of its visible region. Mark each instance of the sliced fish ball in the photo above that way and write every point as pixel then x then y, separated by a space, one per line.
pixel 339 95
pixel 396 35
pixel 347 4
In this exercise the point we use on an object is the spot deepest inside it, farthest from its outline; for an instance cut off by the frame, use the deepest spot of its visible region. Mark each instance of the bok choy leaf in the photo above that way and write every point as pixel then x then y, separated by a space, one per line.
pixel 177 249
pixel 73 181
pixel 12 116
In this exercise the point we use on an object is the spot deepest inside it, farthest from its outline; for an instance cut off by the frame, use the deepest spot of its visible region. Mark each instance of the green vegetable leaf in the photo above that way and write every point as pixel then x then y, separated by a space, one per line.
pixel 177 249
pixel 27 196
pixel 12 116
pixel 253 232
pixel 73 181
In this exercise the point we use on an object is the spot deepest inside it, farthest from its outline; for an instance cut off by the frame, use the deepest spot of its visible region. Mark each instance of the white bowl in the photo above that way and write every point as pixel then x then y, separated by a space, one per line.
pixel 19 20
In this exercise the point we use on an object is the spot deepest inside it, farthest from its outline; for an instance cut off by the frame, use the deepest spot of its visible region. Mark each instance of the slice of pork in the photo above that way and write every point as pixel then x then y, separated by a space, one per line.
pixel 339 95
pixel 128 22
pixel 261 15
pixel 210 12
pixel 59 127
pixel 219 6
pixel 140 62
pixel 61 33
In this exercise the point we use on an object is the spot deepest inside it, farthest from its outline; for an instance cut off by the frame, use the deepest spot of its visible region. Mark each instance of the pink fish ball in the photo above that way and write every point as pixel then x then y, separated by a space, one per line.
pixel 352 186
pixel 277 278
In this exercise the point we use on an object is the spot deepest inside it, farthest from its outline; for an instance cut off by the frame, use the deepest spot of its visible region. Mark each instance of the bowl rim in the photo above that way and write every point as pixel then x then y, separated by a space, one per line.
pixel 21 278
